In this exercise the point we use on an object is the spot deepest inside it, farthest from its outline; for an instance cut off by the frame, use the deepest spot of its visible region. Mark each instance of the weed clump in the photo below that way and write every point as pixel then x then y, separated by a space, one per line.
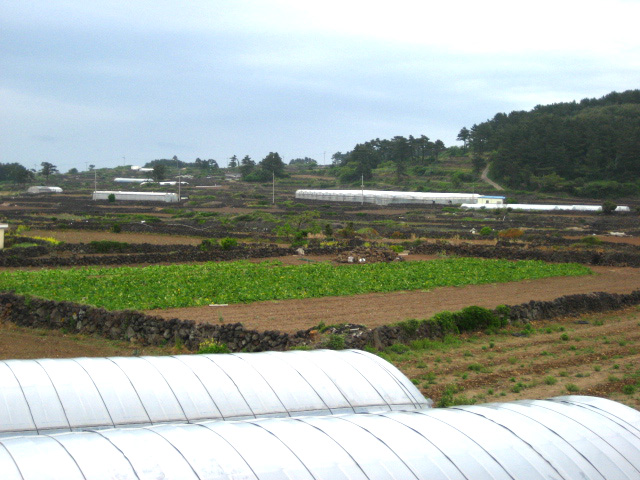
pixel 212 346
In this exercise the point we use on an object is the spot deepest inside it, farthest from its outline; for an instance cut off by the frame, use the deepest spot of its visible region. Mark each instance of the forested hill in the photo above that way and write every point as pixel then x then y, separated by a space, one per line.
pixel 589 148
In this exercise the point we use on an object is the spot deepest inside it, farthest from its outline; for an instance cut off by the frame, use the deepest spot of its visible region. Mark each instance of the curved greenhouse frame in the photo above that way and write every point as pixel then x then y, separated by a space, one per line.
pixel 561 438
pixel 68 394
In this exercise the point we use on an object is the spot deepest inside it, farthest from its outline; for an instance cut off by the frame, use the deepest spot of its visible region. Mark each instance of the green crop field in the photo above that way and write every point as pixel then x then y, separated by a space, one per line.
pixel 171 286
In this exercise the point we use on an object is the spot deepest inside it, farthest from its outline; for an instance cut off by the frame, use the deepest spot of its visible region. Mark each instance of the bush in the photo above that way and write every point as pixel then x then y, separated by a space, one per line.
pixel 397 248
pixel 447 321
pixel 208 244
pixel 111 198
pixel 116 228
pixel 334 342
pixel 475 318
pixel 486 231
pixel 213 346
pixel 608 207
pixel 510 233
pixel 591 240
pixel 228 243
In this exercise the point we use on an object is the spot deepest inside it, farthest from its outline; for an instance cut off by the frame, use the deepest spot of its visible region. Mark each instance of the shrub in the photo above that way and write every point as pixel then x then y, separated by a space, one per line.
pixel 396 248
pixel 213 346
pixel 629 389
pixel 486 231
pixel 111 198
pixel 116 228
pixel 475 318
pixel 591 240
pixel 409 327
pixel 572 388
pixel 510 233
pixel 447 321
pixel 208 244
pixel 608 207
pixel 334 342
pixel 228 243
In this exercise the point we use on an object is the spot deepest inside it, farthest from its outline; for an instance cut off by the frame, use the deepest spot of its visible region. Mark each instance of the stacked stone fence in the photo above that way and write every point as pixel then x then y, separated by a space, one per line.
pixel 142 329
pixel 523 252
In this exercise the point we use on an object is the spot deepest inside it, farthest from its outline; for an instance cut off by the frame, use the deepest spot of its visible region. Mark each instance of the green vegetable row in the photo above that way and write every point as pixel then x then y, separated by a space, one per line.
pixel 172 286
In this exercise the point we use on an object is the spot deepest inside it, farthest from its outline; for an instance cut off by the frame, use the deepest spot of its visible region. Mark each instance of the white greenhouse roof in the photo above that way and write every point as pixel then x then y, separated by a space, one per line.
pixel 386 197
pixel 47 395
pixel 133 194
pixel 563 438
pixel 542 207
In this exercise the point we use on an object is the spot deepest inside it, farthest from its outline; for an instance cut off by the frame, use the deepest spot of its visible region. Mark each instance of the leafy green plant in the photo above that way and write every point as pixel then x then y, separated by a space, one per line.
pixel 212 346
pixel 154 286
pixel 334 342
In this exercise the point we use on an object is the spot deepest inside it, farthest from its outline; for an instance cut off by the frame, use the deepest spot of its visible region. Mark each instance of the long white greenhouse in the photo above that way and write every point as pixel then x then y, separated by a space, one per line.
pixel 541 207
pixel 561 438
pixel 136 196
pixel 379 197
pixel 49 395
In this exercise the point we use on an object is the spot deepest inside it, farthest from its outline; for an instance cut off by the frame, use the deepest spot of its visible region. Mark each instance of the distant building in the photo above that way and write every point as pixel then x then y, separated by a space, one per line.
pixel 137 196
pixel 43 189
pixel 3 227
pixel 380 197
pixel 490 200
pixel 132 180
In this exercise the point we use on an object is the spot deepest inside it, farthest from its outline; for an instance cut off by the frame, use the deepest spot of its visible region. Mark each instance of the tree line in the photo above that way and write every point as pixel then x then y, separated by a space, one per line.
pixel 588 148
pixel 399 152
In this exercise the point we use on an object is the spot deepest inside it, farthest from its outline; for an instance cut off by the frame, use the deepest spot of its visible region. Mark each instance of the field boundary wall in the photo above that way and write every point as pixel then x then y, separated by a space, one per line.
pixel 142 329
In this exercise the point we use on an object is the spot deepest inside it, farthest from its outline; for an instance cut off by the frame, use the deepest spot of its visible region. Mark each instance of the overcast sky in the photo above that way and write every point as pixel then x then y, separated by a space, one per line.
pixel 90 82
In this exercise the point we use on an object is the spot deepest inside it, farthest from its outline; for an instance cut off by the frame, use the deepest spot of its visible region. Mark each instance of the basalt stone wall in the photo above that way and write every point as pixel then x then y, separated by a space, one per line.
pixel 523 252
pixel 178 255
pixel 144 329
pixel 135 326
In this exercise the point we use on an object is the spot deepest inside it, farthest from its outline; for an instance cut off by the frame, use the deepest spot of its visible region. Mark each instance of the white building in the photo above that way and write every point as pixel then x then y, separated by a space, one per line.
pixel 43 189
pixel 132 180
pixel 137 196
pixel 3 227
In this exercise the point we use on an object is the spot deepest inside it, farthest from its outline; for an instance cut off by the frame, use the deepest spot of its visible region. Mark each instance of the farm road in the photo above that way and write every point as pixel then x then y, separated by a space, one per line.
pixel 384 308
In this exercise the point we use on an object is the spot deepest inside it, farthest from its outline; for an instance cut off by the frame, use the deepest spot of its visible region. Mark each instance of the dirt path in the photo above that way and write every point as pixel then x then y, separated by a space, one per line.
pixel 379 309
pixel 486 179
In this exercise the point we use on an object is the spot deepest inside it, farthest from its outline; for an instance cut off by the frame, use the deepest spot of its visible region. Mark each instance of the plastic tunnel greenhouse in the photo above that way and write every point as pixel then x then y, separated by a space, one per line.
pixel 49 395
pixel 561 438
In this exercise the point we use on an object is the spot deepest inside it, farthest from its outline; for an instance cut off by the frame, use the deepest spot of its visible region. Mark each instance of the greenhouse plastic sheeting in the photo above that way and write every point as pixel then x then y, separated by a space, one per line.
pixel 386 197
pixel 50 395
pixel 562 438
